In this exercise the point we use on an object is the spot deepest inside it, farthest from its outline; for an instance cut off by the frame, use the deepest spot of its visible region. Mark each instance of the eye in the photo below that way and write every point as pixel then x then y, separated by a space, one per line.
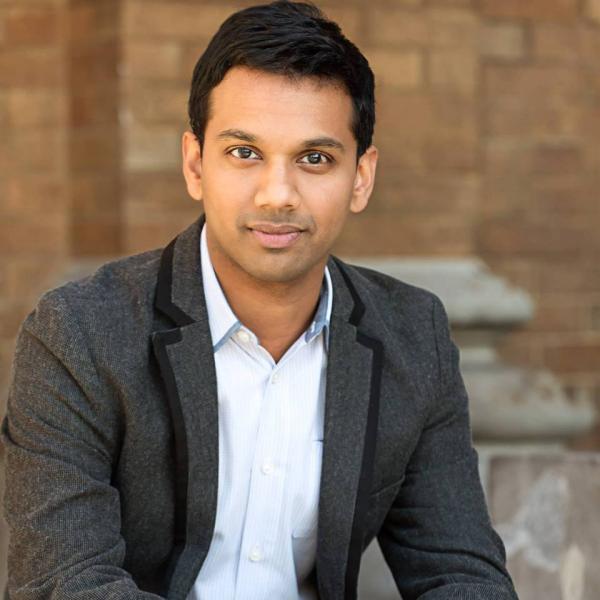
pixel 316 158
pixel 243 152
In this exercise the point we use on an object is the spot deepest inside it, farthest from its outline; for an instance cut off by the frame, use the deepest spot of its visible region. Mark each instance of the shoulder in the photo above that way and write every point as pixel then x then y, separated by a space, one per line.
pixel 388 294
pixel 118 290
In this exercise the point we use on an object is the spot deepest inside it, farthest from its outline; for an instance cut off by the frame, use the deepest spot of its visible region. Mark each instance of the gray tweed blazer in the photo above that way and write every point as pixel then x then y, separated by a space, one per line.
pixel 111 440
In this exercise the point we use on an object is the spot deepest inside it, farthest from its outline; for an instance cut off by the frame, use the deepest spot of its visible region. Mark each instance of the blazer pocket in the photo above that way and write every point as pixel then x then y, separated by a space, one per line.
pixel 387 488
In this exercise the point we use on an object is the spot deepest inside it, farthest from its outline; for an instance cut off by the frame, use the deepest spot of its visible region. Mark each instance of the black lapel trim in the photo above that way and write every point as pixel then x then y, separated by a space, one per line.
pixel 359 308
pixel 361 506
pixel 366 470
pixel 160 341
pixel 164 288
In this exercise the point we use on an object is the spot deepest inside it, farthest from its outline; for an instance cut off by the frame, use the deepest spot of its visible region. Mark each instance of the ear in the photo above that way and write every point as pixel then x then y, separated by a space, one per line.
pixel 192 164
pixel 364 180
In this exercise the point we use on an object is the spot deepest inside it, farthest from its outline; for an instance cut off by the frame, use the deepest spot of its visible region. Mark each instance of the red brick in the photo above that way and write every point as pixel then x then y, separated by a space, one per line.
pixel 454 28
pixel 91 106
pixel 533 82
pixel 531 9
pixel 28 237
pixel 94 148
pixel 11 316
pixel 149 18
pixel 559 196
pixel 152 60
pixel 100 236
pixel 35 108
pixel 502 40
pixel 389 26
pixel 158 104
pixel 31 68
pixel 561 274
pixel 33 149
pixel 513 237
pixel 94 20
pixel 557 42
pixel 26 275
pixel 399 195
pixel 94 63
pixel 349 18
pixel 559 313
pixel 95 194
pixel 410 236
pixel 32 26
pixel 577 357
pixel 152 148
pixel 454 70
pixel 399 70
pixel 559 157
pixel 147 236
pixel 32 195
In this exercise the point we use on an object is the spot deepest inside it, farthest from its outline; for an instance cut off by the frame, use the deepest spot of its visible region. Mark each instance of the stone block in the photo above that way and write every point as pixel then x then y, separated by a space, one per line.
pixel 502 41
pixel 547 510
pixel 401 70
pixel 531 9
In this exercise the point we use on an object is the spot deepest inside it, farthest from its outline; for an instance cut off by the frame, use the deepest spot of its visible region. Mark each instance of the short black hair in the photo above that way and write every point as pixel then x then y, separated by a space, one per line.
pixel 287 38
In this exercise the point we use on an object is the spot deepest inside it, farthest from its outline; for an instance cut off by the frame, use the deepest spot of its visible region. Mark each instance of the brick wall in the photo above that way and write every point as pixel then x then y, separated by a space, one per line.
pixel 488 127
pixel 34 213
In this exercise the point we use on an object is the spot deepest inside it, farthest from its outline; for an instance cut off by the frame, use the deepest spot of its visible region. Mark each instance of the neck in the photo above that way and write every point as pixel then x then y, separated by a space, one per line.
pixel 276 312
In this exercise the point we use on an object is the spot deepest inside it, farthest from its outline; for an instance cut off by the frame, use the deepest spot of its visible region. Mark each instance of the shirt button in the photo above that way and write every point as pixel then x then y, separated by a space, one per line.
pixel 243 336
pixel 275 378
pixel 267 468
pixel 255 555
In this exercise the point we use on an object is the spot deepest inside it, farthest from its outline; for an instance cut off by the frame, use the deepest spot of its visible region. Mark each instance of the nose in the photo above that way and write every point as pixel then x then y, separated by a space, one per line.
pixel 277 190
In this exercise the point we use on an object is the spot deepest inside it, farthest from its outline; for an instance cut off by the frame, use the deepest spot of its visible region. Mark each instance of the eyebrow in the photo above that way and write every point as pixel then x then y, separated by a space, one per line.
pixel 323 141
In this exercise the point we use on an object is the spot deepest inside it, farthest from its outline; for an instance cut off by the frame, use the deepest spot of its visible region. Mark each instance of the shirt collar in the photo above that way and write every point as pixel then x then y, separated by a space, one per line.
pixel 221 319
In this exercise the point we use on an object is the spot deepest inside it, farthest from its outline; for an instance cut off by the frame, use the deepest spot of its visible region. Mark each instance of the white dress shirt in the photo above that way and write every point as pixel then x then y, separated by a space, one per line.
pixel 270 451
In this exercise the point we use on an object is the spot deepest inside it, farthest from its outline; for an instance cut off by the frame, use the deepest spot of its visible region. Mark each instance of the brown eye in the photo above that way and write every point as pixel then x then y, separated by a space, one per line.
pixel 317 158
pixel 243 152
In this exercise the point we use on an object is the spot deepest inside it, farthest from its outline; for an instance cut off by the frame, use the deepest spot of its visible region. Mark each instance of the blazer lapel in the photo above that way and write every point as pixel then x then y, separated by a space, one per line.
pixel 185 358
pixel 351 416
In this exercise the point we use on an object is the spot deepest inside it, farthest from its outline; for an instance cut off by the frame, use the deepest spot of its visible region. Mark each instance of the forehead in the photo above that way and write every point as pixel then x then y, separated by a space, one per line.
pixel 278 107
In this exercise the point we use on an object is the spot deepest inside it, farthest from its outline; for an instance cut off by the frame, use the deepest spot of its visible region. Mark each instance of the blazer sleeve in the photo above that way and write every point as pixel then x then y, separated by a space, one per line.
pixel 60 435
pixel 437 537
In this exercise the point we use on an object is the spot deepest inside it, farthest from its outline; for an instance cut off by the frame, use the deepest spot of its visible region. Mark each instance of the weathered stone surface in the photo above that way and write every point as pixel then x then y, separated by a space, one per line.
pixel 547 510
pixel 471 293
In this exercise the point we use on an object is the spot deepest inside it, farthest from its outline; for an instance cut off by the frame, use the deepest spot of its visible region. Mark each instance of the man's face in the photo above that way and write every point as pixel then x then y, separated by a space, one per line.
pixel 277 175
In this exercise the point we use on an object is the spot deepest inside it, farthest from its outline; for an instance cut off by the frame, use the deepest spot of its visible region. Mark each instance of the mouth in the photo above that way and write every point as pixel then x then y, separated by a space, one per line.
pixel 271 235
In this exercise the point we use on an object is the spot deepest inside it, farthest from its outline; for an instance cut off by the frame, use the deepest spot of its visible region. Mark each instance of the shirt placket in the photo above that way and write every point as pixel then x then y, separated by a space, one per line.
pixel 264 516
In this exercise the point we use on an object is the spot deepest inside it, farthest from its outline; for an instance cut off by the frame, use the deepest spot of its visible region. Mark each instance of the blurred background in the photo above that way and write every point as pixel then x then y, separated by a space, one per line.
pixel 488 126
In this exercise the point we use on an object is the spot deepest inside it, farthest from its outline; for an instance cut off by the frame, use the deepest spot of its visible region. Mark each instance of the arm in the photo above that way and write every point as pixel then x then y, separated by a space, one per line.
pixel 61 437
pixel 437 538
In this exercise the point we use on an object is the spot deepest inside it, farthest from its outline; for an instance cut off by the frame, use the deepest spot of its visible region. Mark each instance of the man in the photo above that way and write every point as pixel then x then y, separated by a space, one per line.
pixel 239 414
